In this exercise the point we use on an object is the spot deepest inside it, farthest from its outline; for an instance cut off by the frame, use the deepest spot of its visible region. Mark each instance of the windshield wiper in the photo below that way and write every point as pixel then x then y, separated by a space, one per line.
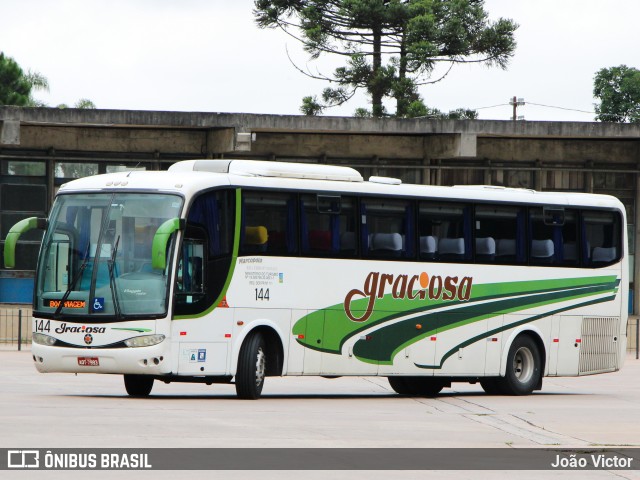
pixel 77 277
pixel 112 280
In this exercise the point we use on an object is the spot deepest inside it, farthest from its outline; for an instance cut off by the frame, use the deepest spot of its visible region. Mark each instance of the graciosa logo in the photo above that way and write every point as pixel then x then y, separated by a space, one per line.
pixel 64 328
pixel 411 287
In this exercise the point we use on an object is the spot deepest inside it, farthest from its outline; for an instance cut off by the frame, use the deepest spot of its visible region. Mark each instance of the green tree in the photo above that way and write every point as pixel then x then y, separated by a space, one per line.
pixel 310 106
pixel 618 89
pixel 37 82
pixel 15 88
pixel 391 47
pixel 84 103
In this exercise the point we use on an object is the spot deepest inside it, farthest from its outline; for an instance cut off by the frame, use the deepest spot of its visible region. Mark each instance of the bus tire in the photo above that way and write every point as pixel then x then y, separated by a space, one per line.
pixel 399 385
pixel 138 385
pixel 417 386
pixel 491 386
pixel 252 365
pixel 524 367
pixel 426 386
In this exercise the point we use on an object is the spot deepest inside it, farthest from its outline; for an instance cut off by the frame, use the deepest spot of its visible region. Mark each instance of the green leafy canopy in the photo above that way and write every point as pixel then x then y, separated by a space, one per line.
pixel 17 87
pixel 618 89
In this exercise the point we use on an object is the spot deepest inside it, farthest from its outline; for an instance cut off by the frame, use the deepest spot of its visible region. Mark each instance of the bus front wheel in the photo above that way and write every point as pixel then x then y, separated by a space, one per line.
pixel 138 385
pixel 524 367
pixel 252 365
pixel 491 386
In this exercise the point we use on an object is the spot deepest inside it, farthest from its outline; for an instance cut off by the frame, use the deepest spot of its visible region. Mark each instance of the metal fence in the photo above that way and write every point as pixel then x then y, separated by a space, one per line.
pixel 15 327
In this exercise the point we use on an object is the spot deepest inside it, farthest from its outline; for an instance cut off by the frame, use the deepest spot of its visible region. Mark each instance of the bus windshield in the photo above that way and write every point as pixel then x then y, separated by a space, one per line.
pixel 95 259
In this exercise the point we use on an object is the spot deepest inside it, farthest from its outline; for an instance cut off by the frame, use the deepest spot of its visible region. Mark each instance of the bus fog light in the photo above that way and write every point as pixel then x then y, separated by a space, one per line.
pixel 42 339
pixel 144 341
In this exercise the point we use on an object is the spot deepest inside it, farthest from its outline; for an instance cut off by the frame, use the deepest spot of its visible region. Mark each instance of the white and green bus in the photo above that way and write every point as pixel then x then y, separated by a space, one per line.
pixel 229 271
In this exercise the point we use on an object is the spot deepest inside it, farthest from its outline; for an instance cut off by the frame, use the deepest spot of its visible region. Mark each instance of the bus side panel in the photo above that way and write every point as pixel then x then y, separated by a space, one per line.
pixel 297 353
pixel 314 333
pixel 203 358
pixel 494 346
pixel 554 347
pixel 203 344
pixel 568 344
pixel 462 360
pixel 404 363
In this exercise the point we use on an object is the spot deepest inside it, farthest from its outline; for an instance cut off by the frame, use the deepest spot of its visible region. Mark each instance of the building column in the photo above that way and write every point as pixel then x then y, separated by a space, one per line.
pixel 636 250
pixel 537 176
pixel 588 177
pixel 50 173
pixel 426 171
pixel 488 173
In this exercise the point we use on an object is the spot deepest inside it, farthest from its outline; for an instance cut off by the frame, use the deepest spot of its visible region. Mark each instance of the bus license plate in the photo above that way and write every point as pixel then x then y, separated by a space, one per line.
pixel 88 361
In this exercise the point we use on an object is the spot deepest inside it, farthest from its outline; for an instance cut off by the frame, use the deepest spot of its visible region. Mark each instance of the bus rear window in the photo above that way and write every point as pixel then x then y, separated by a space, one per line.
pixel 602 234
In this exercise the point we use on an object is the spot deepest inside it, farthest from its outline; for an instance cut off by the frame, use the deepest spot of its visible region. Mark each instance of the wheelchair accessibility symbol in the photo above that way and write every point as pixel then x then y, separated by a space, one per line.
pixel 98 304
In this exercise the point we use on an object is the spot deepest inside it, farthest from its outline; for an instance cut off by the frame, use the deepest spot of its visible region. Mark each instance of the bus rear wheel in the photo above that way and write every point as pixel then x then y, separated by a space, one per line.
pixel 252 366
pixel 138 385
pixel 417 386
pixel 399 385
pixel 524 367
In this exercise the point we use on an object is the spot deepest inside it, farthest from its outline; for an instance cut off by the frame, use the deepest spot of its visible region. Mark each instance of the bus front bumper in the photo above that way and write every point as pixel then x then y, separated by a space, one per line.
pixel 151 360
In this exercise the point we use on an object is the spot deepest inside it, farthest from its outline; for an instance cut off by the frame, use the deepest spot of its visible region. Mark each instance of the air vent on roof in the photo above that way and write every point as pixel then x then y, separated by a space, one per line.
pixel 385 180
pixel 255 168
pixel 495 187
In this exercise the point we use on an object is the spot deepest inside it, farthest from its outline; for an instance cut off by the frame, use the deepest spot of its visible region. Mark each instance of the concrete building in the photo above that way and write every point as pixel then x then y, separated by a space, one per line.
pixel 41 148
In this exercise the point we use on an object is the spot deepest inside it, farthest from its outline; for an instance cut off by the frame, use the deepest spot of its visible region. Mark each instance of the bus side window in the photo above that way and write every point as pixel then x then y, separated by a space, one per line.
pixel 499 234
pixel 327 225
pixel 444 232
pixel 269 224
pixel 554 236
pixel 387 228
pixel 603 239
pixel 190 278
pixel 58 261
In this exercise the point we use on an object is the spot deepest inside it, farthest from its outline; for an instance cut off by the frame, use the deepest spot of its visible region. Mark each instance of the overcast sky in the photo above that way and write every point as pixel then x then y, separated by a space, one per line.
pixel 209 56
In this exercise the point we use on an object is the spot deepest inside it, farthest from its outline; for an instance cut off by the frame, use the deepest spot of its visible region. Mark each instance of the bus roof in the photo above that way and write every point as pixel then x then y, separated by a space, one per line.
pixel 191 176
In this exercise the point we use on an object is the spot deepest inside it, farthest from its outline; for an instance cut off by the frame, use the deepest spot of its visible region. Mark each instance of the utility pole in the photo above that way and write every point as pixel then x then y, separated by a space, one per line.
pixel 516 102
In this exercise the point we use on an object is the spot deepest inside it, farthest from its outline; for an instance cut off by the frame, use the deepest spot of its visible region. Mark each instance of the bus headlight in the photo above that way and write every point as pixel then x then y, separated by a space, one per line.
pixel 144 341
pixel 42 339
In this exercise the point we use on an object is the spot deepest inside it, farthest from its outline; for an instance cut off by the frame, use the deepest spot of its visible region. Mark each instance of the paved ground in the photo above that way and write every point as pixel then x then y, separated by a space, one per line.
pixel 62 410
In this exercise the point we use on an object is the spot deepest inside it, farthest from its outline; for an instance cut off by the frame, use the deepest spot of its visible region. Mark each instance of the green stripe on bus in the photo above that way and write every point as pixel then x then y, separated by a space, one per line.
pixel 387 341
pixel 510 326
pixel 335 327
pixel 139 330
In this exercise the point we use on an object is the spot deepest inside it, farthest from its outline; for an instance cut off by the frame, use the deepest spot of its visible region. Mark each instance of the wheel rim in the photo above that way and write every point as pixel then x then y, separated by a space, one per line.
pixel 260 367
pixel 523 365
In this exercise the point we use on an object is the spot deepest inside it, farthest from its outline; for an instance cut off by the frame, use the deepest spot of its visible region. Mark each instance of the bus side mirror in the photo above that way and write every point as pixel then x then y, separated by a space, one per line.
pixel 14 234
pixel 160 239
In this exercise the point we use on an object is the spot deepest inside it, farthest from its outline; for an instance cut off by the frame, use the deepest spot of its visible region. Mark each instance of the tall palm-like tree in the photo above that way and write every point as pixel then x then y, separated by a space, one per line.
pixel 17 87
pixel 38 82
